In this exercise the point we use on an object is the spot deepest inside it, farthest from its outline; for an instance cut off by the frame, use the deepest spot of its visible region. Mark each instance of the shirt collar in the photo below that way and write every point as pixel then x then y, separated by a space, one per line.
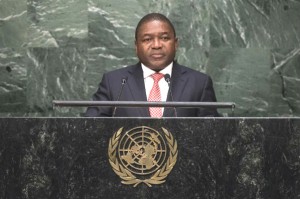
pixel 148 72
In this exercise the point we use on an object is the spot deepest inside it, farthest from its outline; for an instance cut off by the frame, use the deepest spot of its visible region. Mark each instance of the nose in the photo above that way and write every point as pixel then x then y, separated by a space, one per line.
pixel 156 43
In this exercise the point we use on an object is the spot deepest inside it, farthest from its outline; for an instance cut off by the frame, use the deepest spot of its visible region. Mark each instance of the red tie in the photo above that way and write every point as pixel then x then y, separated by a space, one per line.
pixel 155 95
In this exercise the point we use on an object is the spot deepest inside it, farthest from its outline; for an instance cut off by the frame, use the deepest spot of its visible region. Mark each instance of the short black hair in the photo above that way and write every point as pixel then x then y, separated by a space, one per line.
pixel 152 17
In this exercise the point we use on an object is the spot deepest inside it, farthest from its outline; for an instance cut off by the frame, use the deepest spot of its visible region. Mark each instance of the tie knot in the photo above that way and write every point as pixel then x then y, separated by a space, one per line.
pixel 157 76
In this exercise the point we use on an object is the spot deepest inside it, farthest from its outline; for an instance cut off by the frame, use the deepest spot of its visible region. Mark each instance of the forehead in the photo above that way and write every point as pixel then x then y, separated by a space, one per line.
pixel 155 27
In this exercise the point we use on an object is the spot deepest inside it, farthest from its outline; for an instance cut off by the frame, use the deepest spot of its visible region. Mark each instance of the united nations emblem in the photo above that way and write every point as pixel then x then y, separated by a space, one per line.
pixel 142 155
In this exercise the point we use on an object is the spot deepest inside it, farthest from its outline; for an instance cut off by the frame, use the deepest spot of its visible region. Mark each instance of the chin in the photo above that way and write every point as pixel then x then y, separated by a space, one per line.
pixel 157 68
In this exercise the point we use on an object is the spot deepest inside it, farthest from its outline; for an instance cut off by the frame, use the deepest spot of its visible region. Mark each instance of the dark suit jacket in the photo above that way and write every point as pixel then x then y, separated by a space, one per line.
pixel 186 84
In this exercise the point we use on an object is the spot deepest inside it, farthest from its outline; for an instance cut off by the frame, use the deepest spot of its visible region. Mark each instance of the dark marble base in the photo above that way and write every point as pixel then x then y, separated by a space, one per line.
pixel 217 158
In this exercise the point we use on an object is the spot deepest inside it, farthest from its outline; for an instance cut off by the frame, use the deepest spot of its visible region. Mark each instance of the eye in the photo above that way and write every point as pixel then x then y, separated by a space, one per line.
pixel 146 39
pixel 165 38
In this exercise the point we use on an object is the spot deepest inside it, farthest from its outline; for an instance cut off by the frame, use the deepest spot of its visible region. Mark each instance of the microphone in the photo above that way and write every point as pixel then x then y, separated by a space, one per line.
pixel 168 80
pixel 124 80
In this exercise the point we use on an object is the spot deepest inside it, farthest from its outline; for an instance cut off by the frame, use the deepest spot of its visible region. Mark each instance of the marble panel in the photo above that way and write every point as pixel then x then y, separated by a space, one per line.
pixel 240 24
pixel 13 81
pixel 55 74
pixel 244 76
pixel 13 23
pixel 285 66
pixel 57 23
pixel 112 24
pixel 284 24
pixel 250 48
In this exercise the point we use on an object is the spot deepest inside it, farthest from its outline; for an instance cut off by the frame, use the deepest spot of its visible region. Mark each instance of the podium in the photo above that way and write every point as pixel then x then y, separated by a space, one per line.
pixel 216 158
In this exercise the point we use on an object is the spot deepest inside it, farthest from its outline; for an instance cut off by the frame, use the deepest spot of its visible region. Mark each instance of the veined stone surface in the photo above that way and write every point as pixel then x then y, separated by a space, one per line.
pixel 59 49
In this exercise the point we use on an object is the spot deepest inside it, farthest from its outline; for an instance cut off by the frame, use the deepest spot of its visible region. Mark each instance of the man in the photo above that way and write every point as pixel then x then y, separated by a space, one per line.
pixel 156 44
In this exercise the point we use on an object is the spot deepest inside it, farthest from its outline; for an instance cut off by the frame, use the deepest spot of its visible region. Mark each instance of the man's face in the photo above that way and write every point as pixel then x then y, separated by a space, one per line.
pixel 156 44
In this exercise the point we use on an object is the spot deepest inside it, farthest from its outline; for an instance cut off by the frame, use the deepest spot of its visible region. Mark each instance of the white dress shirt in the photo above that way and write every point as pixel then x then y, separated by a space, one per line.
pixel 163 85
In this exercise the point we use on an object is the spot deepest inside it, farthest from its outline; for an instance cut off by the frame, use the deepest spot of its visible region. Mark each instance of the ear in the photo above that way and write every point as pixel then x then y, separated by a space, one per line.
pixel 176 43
pixel 135 44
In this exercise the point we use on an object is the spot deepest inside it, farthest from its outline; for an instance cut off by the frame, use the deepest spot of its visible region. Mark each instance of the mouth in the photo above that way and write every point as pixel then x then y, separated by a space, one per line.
pixel 157 56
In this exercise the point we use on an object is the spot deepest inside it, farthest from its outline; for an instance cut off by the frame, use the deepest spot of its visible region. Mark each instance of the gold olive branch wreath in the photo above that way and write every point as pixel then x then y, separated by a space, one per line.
pixel 128 178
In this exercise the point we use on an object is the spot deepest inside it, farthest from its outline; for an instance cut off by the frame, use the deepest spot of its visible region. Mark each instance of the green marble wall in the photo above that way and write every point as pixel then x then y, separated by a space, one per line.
pixel 59 49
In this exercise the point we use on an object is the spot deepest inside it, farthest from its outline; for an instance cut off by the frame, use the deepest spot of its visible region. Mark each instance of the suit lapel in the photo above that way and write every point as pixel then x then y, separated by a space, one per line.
pixel 136 85
pixel 178 82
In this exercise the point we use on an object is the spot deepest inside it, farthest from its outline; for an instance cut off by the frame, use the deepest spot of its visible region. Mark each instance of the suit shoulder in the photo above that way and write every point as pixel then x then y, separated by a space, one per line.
pixel 193 72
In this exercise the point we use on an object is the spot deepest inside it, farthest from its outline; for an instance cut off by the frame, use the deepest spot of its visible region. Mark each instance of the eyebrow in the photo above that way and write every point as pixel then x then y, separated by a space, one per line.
pixel 161 33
